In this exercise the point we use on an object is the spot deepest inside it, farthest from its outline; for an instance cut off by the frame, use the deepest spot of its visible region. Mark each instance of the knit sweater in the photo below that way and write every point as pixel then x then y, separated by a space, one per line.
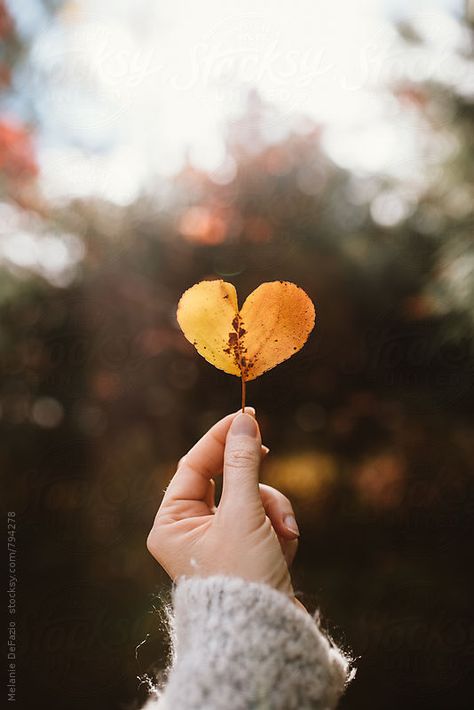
pixel 240 645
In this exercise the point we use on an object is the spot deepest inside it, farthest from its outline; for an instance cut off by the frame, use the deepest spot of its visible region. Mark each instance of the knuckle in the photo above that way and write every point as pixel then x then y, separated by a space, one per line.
pixel 276 494
pixel 241 458
pixel 154 542
pixel 281 498
pixel 284 501
pixel 151 542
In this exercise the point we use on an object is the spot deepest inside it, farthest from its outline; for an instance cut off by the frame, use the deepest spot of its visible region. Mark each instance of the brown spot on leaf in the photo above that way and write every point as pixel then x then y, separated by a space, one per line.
pixel 247 349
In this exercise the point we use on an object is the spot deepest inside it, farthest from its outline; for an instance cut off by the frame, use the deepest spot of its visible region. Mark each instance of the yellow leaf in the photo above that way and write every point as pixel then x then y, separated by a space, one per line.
pixel 205 315
pixel 272 325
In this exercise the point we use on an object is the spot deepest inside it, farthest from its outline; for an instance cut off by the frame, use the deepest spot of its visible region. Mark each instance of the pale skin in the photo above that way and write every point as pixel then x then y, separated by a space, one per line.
pixel 251 534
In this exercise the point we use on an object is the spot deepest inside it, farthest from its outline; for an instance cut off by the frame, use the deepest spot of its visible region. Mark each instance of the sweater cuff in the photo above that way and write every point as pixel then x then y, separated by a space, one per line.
pixel 252 642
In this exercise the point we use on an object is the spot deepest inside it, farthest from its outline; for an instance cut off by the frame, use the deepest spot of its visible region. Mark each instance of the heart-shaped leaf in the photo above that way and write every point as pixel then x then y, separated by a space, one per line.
pixel 272 325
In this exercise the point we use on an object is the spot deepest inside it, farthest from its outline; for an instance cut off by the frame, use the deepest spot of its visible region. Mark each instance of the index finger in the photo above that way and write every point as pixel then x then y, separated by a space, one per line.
pixel 201 463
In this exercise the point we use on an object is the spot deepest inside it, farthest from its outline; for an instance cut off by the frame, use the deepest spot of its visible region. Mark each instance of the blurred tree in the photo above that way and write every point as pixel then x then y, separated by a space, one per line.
pixel 17 161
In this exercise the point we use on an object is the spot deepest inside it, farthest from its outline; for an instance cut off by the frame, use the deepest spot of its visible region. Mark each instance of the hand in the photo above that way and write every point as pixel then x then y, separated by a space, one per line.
pixel 251 534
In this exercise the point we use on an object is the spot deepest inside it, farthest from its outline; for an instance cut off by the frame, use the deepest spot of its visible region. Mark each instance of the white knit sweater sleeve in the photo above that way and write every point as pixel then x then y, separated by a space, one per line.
pixel 239 645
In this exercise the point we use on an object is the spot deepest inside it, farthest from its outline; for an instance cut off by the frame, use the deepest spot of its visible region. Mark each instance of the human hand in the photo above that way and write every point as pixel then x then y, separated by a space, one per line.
pixel 251 534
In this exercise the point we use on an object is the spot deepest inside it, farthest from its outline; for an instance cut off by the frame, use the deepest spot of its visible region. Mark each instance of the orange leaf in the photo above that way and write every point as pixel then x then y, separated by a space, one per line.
pixel 272 325
pixel 275 322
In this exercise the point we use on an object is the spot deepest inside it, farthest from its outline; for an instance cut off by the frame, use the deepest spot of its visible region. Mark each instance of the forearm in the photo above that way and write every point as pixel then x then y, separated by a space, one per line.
pixel 241 645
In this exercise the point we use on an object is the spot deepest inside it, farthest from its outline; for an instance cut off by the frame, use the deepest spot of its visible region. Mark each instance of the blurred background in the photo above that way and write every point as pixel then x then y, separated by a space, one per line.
pixel 145 146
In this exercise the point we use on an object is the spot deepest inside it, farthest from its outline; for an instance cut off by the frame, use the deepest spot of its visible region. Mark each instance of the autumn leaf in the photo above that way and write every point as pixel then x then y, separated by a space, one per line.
pixel 272 325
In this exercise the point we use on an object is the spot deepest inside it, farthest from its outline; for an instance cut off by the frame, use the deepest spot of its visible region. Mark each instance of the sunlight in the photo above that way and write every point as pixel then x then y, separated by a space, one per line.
pixel 139 88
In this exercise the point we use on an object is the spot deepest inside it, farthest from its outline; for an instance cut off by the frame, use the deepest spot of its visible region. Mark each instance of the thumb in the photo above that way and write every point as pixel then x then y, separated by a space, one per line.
pixel 242 458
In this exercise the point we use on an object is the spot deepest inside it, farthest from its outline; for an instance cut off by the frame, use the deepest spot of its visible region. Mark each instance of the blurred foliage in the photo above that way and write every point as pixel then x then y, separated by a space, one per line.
pixel 370 426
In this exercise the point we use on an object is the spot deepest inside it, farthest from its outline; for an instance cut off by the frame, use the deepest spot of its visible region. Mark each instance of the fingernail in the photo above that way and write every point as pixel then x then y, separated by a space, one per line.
pixel 291 525
pixel 244 424
pixel 250 410
pixel 265 449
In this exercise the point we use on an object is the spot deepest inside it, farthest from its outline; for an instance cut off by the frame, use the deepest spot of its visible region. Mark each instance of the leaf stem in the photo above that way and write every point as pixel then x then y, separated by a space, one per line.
pixel 243 394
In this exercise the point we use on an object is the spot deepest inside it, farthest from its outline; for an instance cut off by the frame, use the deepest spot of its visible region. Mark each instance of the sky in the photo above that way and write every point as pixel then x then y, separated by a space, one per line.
pixel 127 90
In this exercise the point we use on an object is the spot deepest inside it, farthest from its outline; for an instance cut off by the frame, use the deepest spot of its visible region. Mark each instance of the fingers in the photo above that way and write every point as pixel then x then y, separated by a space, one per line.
pixel 242 456
pixel 210 497
pixel 280 511
pixel 204 460
pixel 289 549
pixel 281 514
